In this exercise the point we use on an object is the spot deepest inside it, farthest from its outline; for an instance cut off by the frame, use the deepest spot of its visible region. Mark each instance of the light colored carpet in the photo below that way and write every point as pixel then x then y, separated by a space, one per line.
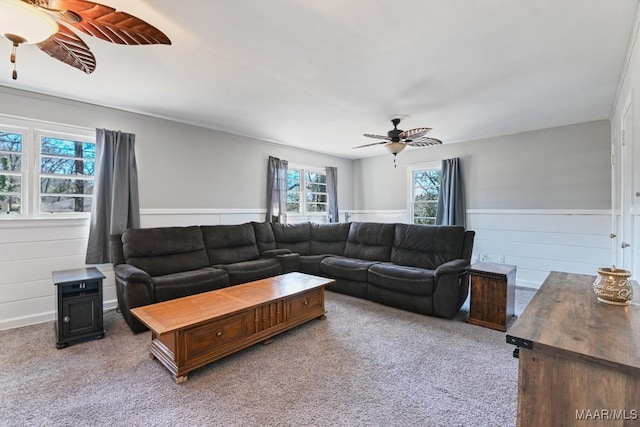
pixel 365 365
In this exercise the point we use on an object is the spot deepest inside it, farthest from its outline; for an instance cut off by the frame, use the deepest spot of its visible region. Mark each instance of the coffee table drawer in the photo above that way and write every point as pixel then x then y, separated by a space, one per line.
pixel 211 336
pixel 307 304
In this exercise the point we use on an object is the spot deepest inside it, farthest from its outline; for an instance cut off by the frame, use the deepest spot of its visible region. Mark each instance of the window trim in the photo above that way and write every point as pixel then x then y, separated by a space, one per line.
pixel 433 165
pixel 32 129
pixel 303 185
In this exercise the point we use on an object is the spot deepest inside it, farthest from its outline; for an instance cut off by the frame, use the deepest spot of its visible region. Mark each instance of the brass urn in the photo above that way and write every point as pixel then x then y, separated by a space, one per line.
pixel 613 286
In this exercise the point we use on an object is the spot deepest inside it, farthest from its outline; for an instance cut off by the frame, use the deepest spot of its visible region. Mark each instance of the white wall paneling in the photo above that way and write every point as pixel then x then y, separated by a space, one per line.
pixel 540 241
pixel 29 251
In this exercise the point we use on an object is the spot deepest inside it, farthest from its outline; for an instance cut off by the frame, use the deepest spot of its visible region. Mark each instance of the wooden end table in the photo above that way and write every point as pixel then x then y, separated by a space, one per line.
pixel 492 295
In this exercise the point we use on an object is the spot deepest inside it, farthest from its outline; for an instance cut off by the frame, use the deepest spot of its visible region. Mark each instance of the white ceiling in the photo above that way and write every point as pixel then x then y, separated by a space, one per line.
pixel 319 74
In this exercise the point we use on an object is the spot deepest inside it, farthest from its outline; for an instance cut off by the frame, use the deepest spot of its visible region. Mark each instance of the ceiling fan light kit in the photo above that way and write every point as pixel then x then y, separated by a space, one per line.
pixel 48 24
pixel 398 139
pixel 22 23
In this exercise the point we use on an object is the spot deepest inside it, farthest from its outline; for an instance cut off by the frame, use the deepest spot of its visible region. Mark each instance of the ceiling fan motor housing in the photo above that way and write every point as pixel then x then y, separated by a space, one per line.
pixel 394 134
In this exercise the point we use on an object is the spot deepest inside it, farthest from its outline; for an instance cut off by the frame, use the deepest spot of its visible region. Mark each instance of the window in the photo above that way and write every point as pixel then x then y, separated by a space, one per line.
pixel 306 190
pixel 66 174
pixel 424 188
pixel 11 171
pixel 45 169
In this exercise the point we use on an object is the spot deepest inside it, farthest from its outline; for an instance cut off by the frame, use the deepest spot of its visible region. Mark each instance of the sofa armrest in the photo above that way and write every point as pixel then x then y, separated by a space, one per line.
pixel 451 288
pixel 273 253
pixel 134 288
pixel 128 273
pixel 289 262
pixel 457 266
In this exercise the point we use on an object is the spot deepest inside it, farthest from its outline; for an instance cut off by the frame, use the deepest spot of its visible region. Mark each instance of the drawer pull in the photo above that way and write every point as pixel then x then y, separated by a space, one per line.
pixel 305 302
pixel 219 334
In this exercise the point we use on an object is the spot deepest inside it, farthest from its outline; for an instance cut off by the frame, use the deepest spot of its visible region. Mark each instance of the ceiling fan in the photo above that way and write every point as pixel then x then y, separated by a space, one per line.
pixel 398 139
pixel 50 24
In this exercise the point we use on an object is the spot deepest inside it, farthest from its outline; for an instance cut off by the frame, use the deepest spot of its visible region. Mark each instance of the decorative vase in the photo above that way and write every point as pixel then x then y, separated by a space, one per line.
pixel 613 286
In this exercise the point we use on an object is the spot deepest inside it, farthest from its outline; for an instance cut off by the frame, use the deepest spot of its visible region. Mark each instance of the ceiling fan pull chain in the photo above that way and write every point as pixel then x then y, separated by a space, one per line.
pixel 14 75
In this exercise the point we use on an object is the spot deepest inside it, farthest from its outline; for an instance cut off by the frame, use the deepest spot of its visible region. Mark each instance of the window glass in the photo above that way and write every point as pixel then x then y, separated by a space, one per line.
pixel 66 175
pixel 425 188
pixel 11 172
pixel 306 191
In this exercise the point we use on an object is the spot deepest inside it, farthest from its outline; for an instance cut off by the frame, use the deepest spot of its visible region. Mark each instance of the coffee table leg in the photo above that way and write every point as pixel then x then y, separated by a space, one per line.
pixel 181 379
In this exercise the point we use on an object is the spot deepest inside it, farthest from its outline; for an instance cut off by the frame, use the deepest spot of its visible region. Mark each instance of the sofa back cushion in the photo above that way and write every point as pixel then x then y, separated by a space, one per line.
pixel 329 238
pixel 165 250
pixel 296 237
pixel 369 241
pixel 228 244
pixel 264 236
pixel 427 246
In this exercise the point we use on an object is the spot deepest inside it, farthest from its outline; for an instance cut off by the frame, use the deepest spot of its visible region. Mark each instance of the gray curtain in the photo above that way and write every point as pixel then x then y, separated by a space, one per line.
pixel 115 197
pixel 277 190
pixel 451 206
pixel 332 193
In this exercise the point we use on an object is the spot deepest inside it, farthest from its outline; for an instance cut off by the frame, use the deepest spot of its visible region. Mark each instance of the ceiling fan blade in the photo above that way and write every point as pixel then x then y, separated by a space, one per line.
pixel 374 143
pixel 414 133
pixel 108 24
pixel 424 142
pixel 67 47
pixel 368 135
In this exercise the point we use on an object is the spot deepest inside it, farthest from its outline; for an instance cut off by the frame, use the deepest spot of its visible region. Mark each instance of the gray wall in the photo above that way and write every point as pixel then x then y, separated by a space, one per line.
pixel 179 165
pixel 561 168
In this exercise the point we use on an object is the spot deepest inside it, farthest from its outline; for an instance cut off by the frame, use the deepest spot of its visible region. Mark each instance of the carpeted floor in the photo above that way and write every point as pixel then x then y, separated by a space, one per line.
pixel 365 365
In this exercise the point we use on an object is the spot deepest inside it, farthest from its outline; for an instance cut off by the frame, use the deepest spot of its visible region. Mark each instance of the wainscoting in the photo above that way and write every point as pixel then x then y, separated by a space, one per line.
pixel 536 241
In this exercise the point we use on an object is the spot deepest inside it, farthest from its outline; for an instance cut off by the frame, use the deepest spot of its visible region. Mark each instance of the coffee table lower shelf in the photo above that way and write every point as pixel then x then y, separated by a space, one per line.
pixel 198 342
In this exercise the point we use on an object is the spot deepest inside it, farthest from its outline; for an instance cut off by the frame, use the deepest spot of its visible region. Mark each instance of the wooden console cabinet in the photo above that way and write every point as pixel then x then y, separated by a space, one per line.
pixel 493 290
pixel 579 362
pixel 78 305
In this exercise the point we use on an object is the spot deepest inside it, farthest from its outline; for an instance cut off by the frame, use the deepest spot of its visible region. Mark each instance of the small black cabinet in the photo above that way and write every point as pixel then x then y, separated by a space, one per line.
pixel 78 305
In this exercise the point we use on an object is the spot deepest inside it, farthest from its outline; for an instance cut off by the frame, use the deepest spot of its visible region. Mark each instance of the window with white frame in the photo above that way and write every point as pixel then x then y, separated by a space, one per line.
pixel 424 186
pixel 46 170
pixel 306 190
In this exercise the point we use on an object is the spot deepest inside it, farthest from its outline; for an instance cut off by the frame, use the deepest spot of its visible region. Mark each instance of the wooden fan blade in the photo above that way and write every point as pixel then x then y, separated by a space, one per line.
pixel 424 142
pixel 414 133
pixel 67 47
pixel 108 24
pixel 368 135
pixel 374 143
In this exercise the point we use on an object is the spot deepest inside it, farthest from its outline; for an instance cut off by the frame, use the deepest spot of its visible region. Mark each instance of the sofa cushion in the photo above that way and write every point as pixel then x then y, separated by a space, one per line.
pixel 248 271
pixel 179 285
pixel 310 264
pixel 346 268
pixel 427 246
pixel 402 279
pixel 228 244
pixel 264 236
pixel 329 238
pixel 296 237
pixel 369 241
pixel 165 250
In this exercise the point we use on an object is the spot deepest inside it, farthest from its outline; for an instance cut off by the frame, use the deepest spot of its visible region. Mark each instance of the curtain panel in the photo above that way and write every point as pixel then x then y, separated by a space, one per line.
pixel 451 204
pixel 332 193
pixel 116 205
pixel 277 190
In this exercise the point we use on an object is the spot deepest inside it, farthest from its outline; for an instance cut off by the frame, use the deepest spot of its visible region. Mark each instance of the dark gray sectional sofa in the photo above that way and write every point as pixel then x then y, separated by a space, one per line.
pixel 413 267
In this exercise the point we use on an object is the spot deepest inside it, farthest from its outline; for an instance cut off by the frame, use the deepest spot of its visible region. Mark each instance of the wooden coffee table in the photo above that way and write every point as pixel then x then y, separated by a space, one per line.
pixel 190 332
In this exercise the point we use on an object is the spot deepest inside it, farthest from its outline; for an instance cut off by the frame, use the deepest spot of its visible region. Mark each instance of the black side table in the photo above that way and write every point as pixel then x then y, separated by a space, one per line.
pixel 79 305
